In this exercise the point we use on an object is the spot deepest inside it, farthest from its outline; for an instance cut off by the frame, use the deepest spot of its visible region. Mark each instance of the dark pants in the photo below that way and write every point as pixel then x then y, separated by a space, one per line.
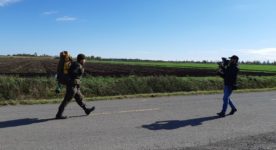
pixel 226 98
pixel 72 91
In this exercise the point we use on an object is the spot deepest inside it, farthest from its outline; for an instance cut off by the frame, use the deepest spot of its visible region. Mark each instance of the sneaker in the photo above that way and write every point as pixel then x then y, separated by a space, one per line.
pixel 221 114
pixel 89 110
pixel 61 117
pixel 233 111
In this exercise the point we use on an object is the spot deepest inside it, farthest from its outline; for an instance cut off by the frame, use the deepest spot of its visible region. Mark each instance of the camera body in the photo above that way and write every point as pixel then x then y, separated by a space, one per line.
pixel 222 66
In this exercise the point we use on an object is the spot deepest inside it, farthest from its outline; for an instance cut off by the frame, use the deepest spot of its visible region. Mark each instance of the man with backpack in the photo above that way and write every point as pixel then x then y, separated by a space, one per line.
pixel 229 74
pixel 75 72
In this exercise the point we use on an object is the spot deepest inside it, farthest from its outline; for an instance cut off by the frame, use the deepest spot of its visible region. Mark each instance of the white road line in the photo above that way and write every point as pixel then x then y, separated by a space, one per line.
pixel 126 111
pixel 138 110
pixel 273 99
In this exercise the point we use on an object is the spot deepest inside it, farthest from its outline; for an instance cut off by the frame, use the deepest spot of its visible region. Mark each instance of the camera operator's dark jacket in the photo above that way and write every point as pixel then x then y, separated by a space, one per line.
pixel 75 72
pixel 230 75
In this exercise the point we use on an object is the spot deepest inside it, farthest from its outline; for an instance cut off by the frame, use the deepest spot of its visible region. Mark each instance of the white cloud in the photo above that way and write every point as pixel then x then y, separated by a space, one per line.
pixel 50 12
pixel 7 2
pixel 262 54
pixel 66 18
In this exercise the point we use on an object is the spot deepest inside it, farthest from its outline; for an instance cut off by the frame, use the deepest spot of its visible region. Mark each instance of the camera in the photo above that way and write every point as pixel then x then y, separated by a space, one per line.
pixel 222 66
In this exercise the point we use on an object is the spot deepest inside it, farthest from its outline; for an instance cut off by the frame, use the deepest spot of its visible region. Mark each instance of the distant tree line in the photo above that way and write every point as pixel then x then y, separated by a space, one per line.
pixel 256 62
pixel 98 58
pixel 30 55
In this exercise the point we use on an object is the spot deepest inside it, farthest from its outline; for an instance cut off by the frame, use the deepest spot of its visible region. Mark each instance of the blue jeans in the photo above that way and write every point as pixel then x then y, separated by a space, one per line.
pixel 226 98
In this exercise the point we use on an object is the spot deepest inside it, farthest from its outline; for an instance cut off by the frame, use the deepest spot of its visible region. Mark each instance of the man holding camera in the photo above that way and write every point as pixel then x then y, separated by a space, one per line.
pixel 229 74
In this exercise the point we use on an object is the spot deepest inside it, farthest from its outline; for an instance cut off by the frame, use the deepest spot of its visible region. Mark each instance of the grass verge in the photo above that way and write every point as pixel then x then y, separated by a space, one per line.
pixel 151 95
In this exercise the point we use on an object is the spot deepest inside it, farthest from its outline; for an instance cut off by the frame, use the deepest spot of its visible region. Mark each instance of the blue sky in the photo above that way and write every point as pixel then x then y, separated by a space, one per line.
pixel 145 29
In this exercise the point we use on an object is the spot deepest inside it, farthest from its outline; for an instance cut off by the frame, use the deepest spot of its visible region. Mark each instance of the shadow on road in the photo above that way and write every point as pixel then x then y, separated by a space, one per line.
pixel 28 121
pixel 175 124
pixel 22 122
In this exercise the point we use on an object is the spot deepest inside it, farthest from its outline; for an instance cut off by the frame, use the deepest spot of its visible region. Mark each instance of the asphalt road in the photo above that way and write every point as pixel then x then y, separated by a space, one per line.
pixel 181 122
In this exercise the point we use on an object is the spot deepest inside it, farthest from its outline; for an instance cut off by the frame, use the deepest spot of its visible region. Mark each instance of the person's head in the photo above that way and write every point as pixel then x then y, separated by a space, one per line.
pixel 81 58
pixel 234 59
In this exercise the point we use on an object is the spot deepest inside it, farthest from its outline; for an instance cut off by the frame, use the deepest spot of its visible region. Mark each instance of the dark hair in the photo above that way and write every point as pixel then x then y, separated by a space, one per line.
pixel 234 57
pixel 80 57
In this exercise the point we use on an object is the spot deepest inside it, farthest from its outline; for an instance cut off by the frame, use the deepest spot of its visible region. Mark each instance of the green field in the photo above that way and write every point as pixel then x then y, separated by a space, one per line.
pixel 213 66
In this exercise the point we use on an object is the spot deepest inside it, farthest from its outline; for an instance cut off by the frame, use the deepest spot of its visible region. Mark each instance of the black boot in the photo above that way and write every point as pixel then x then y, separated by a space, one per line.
pixel 221 114
pixel 60 117
pixel 59 113
pixel 233 111
pixel 89 110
